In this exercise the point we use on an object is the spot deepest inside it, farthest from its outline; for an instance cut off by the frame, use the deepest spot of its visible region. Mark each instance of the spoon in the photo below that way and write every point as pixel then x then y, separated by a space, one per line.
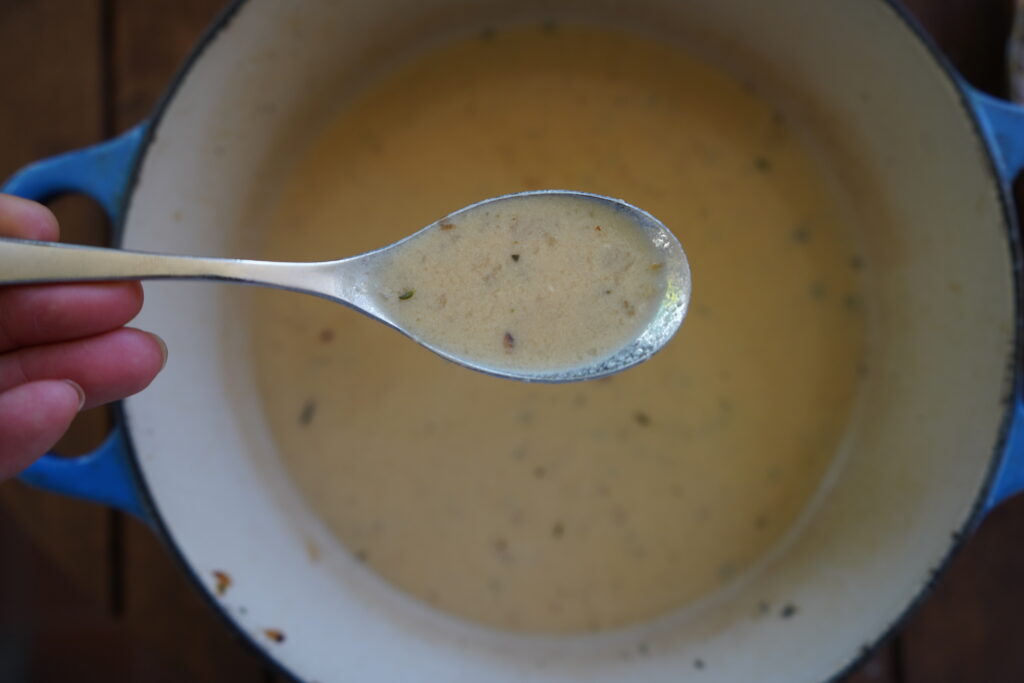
pixel 545 286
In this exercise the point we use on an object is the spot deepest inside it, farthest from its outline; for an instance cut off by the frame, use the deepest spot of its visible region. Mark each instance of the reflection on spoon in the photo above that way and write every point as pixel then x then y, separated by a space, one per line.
pixel 548 286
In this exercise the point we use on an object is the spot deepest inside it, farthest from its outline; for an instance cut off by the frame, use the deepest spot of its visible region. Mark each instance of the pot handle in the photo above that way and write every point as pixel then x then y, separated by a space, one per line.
pixel 103 172
pixel 1002 125
pixel 1008 478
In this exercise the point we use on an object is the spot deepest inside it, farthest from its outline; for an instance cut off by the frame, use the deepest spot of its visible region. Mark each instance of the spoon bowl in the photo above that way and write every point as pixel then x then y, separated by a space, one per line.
pixel 572 257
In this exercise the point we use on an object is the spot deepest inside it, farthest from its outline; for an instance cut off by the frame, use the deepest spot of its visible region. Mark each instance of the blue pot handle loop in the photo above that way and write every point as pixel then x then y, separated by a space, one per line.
pixel 102 172
pixel 102 476
pixel 1009 476
pixel 1002 124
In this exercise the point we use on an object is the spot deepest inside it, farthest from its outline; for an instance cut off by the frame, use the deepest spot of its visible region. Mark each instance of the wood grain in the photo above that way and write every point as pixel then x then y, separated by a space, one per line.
pixel 99 589
pixel 55 571
pixel 49 105
pixel 881 667
pixel 972 33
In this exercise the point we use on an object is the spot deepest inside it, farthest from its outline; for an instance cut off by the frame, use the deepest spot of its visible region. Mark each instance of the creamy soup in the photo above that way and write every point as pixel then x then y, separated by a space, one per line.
pixel 565 508
pixel 531 282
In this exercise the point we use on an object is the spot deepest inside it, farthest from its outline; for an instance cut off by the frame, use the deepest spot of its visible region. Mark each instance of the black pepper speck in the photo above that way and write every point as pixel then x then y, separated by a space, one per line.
pixel 307 413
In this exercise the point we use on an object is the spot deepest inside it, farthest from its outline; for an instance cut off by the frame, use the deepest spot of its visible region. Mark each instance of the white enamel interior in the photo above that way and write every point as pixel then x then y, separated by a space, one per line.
pixel 890 126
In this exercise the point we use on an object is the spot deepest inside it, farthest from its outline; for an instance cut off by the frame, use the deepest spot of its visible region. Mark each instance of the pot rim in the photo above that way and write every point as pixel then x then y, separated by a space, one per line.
pixel 1014 380
pixel 147 501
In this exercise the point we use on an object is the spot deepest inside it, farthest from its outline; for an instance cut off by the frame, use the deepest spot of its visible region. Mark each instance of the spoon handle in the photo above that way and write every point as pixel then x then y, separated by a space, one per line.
pixel 26 261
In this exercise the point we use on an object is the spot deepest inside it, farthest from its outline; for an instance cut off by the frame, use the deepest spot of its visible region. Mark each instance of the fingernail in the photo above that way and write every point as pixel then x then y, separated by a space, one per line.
pixel 79 390
pixel 163 349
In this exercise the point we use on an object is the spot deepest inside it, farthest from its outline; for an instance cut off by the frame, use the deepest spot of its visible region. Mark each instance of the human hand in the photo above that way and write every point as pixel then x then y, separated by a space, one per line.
pixel 63 348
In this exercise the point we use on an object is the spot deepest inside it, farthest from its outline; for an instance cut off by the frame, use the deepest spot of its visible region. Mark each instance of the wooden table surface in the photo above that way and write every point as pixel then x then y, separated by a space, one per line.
pixel 88 594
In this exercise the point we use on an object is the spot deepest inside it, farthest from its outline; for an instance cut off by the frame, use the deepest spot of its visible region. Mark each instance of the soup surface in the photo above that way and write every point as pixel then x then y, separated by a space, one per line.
pixel 561 508
pixel 534 282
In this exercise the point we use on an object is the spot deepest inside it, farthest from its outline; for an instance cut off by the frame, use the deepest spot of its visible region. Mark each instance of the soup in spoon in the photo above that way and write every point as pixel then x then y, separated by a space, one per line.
pixel 533 282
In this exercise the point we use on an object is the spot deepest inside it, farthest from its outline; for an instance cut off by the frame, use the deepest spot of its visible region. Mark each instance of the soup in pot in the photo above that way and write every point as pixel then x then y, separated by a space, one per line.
pixel 579 507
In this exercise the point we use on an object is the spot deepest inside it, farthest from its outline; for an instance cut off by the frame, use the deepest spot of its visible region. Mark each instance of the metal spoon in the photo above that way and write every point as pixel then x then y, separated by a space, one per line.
pixel 351 281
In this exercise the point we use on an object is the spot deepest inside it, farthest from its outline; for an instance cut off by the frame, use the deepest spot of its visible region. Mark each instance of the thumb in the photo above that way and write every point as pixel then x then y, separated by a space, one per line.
pixel 33 417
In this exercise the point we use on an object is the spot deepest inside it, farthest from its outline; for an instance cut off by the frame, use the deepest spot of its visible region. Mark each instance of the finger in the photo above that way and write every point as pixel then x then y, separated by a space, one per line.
pixel 27 219
pixel 108 367
pixel 32 417
pixel 52 313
